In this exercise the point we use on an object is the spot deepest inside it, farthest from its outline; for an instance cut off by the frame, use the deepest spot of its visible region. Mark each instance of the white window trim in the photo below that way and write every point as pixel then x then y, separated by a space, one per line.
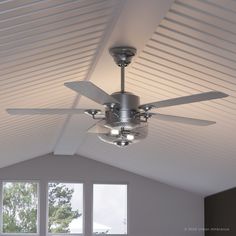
pixel 1 207
pixel 128 210
pixel 89 184
pixel 47 208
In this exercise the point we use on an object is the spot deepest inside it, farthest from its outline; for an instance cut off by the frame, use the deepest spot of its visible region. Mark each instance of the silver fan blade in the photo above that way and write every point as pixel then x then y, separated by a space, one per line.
pixel 91 91
pixel 184 100
pixel 98 128
pixel 180 119
pixel 52 111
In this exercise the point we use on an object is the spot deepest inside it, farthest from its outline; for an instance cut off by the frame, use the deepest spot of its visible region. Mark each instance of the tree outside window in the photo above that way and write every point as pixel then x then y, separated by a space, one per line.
pixel 20 207
pixel 65 207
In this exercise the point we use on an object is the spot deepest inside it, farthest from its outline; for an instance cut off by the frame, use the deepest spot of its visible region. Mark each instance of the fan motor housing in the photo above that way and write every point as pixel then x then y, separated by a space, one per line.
pixel 125 114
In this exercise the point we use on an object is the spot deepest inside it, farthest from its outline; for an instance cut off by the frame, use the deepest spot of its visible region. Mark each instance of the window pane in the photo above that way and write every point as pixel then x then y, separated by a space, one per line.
pixel 65 208
pixel 109 209
pixel 20 207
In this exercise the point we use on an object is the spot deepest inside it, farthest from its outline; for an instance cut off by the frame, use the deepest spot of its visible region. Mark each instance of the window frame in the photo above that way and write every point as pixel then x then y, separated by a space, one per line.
pixel 127 207
pixel 85 203
pixel 1 206
pixel 47 209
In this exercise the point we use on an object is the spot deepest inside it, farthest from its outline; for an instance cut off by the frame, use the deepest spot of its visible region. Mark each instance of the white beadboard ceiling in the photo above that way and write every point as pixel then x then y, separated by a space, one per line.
pixel 42 45
pixel 184 47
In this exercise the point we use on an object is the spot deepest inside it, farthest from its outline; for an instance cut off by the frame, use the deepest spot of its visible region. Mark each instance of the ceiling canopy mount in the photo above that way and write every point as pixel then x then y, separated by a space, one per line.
pixel 122 55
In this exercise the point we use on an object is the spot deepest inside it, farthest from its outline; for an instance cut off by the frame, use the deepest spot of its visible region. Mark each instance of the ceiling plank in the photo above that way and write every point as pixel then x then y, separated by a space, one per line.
pixel 133 26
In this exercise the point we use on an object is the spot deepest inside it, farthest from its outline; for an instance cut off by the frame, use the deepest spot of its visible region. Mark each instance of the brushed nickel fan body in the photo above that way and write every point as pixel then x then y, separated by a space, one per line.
pixel 124 120
pixel 125 114
pixel 123 117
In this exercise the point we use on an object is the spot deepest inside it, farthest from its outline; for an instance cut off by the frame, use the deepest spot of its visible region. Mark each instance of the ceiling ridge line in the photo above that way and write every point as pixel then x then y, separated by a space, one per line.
pixel 100 50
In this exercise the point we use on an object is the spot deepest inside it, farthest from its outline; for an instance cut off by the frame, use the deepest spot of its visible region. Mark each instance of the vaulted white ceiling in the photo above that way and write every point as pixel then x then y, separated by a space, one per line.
pixel 184 47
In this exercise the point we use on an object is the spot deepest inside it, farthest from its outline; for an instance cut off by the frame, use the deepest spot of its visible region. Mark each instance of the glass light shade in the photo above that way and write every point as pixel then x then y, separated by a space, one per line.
pixel 125 136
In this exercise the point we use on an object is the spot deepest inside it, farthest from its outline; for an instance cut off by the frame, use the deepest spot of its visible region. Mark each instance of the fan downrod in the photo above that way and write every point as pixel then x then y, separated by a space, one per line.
pixel 122 57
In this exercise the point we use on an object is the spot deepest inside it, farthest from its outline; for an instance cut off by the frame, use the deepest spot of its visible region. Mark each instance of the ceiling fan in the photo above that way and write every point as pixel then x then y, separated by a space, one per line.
pixel 125 120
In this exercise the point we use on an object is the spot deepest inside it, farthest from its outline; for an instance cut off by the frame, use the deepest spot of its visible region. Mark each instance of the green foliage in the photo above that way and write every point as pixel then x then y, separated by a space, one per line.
pixel 20 208
pixel 60 209
pixel 20 202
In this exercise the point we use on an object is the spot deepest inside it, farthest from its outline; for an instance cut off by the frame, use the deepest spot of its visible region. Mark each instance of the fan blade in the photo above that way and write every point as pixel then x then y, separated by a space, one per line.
pixel 184 100
pixel 180 119
pixel 91 91
pixel 98 128
pixel 52 111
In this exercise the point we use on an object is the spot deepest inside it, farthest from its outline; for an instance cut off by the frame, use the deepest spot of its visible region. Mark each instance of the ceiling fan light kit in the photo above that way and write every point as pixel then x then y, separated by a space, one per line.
pixel 124 121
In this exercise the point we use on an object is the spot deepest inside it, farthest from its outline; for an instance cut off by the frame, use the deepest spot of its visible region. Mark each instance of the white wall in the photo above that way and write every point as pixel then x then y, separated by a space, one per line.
pixel 155 209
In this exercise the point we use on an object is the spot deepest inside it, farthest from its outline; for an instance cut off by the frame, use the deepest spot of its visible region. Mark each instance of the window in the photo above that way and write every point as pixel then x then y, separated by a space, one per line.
pixel 20 207
pixel 109 209
pixel 65 208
